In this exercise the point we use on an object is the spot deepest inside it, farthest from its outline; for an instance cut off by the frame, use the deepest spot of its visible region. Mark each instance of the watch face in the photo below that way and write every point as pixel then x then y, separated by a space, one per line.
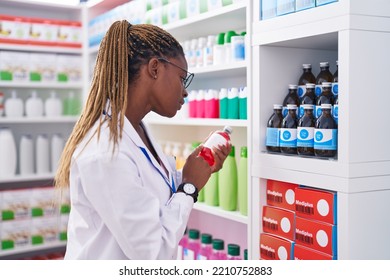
pixel 189 188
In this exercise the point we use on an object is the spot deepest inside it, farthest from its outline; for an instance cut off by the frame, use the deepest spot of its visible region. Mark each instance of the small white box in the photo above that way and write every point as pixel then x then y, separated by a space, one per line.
pixel 16 204
pixel 44 230
pixel 284 7
pixel 15 234
pixel 268 9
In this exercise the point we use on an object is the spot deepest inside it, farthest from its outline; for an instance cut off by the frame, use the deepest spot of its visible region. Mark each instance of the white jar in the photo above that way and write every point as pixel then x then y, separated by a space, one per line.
pixel 26 155
pixel 42 154
pixel 53 106
pixel 34 106
pixel 57 146
pixel 8 153
pixel 13 106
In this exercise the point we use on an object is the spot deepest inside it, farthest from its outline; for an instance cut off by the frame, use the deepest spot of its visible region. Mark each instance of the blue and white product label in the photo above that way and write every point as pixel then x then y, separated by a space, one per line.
pixel 272 138
pixel 305 137
pixel 301 91
pixel 336 113
pixel 325 139
pixel 318 111
pixel 318 90
pixel 301 111
pixel 335 89
pixel 285 111
pixel 288 137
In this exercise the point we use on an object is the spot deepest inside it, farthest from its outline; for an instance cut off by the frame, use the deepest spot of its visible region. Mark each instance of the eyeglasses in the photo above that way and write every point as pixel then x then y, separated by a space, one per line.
pixel 188 79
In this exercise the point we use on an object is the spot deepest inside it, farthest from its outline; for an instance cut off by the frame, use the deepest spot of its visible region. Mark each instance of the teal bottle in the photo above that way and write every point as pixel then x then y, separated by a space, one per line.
pixel 243 181
pixel 227 183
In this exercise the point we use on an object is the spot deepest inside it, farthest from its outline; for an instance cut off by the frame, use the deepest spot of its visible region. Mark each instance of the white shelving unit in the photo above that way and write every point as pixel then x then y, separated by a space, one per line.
pixel 42 125
pixel 357 34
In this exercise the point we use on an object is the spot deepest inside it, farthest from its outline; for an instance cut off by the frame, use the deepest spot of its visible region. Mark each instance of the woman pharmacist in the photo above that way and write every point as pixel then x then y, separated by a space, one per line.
pixel 127 200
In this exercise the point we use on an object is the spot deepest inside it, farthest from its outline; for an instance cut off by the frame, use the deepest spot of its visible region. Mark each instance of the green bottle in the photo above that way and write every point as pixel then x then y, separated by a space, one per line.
pixel 71 105
pixel 227 183
pixel 242 175
pixel 211 196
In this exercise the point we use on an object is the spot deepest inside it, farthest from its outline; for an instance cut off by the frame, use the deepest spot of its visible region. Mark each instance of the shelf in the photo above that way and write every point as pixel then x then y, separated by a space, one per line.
pixel 218 71
pixel 33 48
pixel 152 118
pixel 217 211
pixel 43 85
pixel 33 248
pixel 26 178
pixel 39 120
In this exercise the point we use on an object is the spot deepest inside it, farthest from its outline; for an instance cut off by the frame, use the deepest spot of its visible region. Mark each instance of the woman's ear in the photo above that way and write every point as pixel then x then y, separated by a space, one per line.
pixel 153 66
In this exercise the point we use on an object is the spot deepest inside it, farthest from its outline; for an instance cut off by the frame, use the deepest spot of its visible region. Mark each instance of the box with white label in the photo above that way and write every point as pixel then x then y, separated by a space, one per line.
pixel 44 230
pixel 14 66
pixel 305 253
pixel 15 234
pixel 284 7
pixel 279 221
pixel 273 247
pixel 43 202
pixel 16 205
pixel 268 9
pixel 43 67
pixel 281 194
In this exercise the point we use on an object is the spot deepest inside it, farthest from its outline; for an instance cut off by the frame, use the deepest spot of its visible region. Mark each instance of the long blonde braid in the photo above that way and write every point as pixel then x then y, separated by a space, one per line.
pixel 123 50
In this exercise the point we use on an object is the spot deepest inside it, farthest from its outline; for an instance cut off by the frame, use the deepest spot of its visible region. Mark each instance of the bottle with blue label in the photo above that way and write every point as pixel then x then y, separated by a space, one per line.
pixel 291 98
pixel 308 98
pixel 288 132
pixel 325 134
pixel 324 76
pixel 274 125
pixel 335 91
pixel 306 77
pixel 305 132
pixel 326 97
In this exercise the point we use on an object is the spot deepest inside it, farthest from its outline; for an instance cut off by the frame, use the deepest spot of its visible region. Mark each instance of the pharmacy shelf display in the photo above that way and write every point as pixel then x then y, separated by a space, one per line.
pixel 341 31
pixel 35 126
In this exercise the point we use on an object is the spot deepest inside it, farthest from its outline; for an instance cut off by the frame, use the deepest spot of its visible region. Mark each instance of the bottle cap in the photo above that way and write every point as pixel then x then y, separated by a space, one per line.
pixel 310 85
pixel 326 106
pixel 245 254
pixel 220 39
pixel 306 66
pixel 278 106
pixel 232 152
pixel 229 35
pixel 233 250
pixel 244 151
pixel 326 84
pixel 193 234
pixel 324 64
pixel 292 86
pixel 307 106
pixel 228 129
pixel 218 244
pixel 291 107
pixel 195 144
pixel 207 238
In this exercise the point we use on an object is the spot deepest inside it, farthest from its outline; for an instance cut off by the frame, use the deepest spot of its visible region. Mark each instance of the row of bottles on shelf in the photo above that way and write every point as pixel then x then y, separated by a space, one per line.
pixel 306 123
pixel 227 188
pixel 35 106
pixel 217 49
pixel 39 67
pixel 298 222
pixel 223 104
pixel 197 246
pixel 40 31
pixel 274 8
pixel 40 157
pixel 156 12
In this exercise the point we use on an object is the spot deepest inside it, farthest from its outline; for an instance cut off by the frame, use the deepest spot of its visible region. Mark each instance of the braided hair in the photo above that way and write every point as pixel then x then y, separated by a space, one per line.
pixel 123 50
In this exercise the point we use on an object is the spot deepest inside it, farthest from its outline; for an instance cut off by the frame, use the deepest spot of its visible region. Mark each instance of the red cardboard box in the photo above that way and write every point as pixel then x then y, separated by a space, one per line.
pixel 316 235
pixel 316 204
pixel 304 253
pixel 275 248
pixel 279 221
pixel 281 194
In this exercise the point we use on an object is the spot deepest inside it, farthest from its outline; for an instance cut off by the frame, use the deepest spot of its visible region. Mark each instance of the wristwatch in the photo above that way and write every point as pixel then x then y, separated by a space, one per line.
pixel 188 189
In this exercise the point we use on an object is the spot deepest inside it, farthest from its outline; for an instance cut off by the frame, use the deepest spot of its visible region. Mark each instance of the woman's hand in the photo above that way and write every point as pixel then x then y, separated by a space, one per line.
pixel 196 170
pixel 220 154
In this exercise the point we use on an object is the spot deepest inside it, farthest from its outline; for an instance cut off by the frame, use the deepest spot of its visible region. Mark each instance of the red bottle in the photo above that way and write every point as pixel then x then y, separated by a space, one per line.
pixel 216 139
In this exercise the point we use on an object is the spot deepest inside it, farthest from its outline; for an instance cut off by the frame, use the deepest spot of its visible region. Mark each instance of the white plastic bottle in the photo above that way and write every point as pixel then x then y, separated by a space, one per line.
pixel 26 155
pixel 53 106
pixel 42 154
pixel 200 51
pixel 34 106
pixel 208 51
pixel 56 145
pixel 8 153
pixel 13 106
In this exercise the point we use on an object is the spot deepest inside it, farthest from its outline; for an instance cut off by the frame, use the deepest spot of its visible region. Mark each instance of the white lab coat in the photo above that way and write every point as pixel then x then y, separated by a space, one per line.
pixel 121 206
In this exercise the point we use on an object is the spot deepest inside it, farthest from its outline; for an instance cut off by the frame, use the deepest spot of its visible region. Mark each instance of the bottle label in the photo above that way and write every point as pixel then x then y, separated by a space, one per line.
pixel 272 138
pixel 288 137
pixel 325 139
pixel 318 111
pixel 336 113
pixel 318 90
pixel 301 91
pixel 335 89
pixel 285 111
pixel 305 137
pixel 215 140
pixel 301 111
